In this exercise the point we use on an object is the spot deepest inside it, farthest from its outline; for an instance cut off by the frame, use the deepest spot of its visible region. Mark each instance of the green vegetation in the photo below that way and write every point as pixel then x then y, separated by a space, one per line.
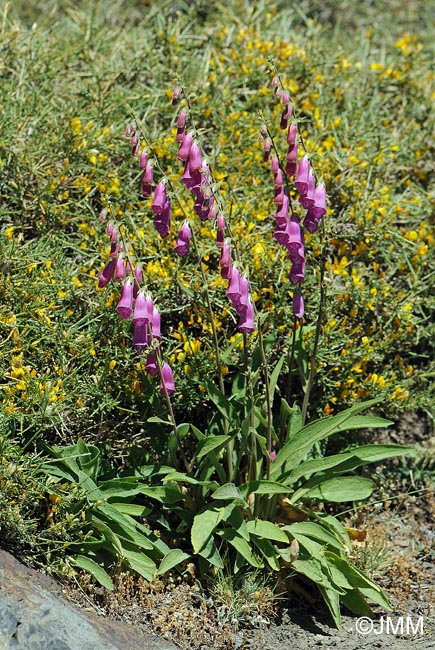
pixel 99 466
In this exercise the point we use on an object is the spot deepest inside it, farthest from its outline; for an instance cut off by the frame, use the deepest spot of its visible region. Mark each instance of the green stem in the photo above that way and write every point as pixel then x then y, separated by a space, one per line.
pixel 319 322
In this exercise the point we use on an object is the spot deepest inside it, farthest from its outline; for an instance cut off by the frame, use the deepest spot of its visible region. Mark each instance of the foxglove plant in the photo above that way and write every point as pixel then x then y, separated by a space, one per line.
pixel 251 461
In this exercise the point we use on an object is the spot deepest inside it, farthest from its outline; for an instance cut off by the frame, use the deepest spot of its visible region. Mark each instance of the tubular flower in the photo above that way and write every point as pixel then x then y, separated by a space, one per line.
pixel 151 365
pixel 155 324
pixel 184 150
pixel 160 198
pixel 141 338
pixel 125 304
pixel 246 323
pixel 302 175
pixel 167 379
pixel 140 313
pixel 162 222
pixel 183 241
pixel 147 181
pixel 106 274
pixel 298 304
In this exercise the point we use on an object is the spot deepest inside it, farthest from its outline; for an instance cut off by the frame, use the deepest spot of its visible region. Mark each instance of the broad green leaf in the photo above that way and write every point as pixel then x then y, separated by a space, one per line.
pixel 337 490
pixel 228 491
pixel 297 448
pixel 291 418
pixel 268 551
pixel 167 494
pixel 355 601
pixel 172 559
pixel 236 521
pixel 131 509
pixel 317 532
pixel 263 487
pixel 334 526
pixel 157 420
pixel 221 401
pixel 141 563
pixel 120 487
pixel 94 569
pixel 332 599
pixel 267 530
pixel 241 545
pixel 210 552
pixel 99 524
pixel 359 580
pixel 89 458
pixel 358 456
pixel 180 477
pixel 203 527
pixel 183 430
pixel 312 568
pixel 211 443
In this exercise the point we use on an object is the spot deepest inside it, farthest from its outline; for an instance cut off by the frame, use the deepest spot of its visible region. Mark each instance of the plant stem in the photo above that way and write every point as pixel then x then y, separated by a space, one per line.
pixel 319 322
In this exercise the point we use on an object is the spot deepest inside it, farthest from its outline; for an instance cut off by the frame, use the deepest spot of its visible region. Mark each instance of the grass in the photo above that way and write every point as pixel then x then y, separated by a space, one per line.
pixel 73 75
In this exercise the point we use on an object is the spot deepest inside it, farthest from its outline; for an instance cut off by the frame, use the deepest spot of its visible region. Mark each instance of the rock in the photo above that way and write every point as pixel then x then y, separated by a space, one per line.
pixel 34 615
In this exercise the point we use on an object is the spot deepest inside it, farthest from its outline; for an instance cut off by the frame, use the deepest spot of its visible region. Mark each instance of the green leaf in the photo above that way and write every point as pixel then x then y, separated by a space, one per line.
pixel 358 456
pixel 203 527
pixel 180 477
pixel 355 601
pixel 210 552
pixel 359 580
pixel 211 443
pixel 172 559
pixel 312 569
pixel 221 401
pixel 268 551
pixel 131 509
pixel 158 420
pixel 299 445
pixel 115 545
pixel 120 487
pixel 317 532
pixel 227 491
pixel 338 490
pixel 88 459
pixel 267 530
pixel 263 487
pixel 241 545
pixel 332 599
pixel 94 569
pixel 139 562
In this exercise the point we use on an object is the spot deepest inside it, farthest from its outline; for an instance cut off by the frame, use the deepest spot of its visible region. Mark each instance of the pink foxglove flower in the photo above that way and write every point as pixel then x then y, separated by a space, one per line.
pixel 233 291
pixel 162 222
pixel 138 273
pixel 143 160
pixel 184 150
pixel 106 274
pixel 151 365
pixel 319 207
pixel 125 304
pixel 307 200
pixel 195 158
pixel 120 270
pixel 302 176
pixel 167 379
pixel 176 96
pixel 266 149
pixel 246 322
pixel 155 324
pixel 147 181
pixel 298 304
pixel 297 272
pixel 274 165
pixel 283 211
pixel 141 338
pixel 160 198
pixel 291 135
pixel 220 235
pixel 140 313
pixel 225 261
pixel 183 241
pixel 292 160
